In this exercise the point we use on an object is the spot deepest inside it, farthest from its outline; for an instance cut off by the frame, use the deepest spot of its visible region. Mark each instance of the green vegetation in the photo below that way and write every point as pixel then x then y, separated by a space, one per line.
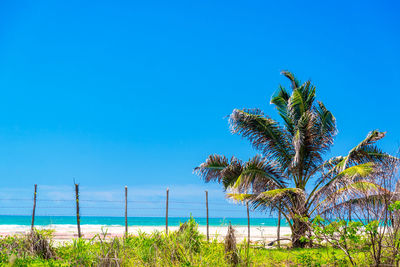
pixel 186 247
pixel 293 158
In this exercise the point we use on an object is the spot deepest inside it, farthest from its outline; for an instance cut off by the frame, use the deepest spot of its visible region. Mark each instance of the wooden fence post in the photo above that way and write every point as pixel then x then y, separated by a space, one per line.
pixel 126 210
pixel 166 213
pixel 279 229
pixel 78 219
pixel 34 208
pixel 350 212
pixel 248 224
pixel 208 233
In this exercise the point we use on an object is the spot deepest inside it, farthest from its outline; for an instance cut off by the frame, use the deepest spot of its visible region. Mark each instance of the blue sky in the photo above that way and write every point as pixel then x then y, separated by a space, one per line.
pixel 116 93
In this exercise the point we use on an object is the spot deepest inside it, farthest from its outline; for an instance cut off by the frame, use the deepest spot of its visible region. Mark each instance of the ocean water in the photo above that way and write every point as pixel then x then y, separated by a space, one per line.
pixel 133 221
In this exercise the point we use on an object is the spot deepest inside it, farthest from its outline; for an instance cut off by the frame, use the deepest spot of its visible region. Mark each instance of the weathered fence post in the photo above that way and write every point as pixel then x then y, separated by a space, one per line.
pixel 248 224
pixel 349 211
pixel 208 233
pixel 166 213
pixel 279 228
pixel 34 208
pixel 126 210
pixel 78 219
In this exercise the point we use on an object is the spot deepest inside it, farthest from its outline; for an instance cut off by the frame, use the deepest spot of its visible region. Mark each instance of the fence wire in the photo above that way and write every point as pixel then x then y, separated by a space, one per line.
pixel 135 210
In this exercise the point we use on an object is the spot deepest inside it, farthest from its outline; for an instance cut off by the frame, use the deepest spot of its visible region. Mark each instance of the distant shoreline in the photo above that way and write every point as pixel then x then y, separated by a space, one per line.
pixel 25 220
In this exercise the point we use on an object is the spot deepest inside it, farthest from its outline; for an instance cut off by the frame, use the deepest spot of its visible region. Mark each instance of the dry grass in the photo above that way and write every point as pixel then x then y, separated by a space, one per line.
pixel 231 252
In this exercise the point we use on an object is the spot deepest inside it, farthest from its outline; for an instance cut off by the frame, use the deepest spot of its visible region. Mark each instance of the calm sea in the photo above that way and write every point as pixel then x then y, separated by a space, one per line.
pixel 133 221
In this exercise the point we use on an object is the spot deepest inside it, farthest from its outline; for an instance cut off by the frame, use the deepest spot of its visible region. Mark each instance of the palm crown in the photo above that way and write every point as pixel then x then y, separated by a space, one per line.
pixel 292 155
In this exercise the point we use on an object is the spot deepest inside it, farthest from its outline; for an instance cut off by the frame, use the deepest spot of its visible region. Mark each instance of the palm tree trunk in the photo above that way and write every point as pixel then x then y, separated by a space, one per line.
pixel 299 232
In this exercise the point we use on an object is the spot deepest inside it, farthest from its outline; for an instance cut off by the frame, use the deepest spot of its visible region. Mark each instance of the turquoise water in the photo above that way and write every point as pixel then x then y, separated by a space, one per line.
pixel 133 221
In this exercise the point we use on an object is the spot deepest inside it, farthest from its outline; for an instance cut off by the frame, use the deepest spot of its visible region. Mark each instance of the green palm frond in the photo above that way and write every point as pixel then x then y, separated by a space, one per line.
pixel 264 133
pixel 296 105
pixel 353 190
pixel 280 100
pixel 327 120
pixel 308 91
pixel 294 82
pixel 267 196
pixel 329 164
pixel 341 180
pixel 240 197
pixel 231 172
pixel 275 194
pixel 375 199
pixel 365 151
pixel 363 187
pixel 302 140
pixel 219 168
pixel 257 174
pixel 283 197
pixel 351 174
pixel 325 126
pixel 301 100
pixel 361 170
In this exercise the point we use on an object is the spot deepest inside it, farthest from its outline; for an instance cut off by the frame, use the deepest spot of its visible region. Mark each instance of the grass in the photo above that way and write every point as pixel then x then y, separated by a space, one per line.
pixel 186 247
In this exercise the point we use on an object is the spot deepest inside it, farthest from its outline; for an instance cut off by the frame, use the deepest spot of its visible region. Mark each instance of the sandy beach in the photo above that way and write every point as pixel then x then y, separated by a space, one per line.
pixel 67 232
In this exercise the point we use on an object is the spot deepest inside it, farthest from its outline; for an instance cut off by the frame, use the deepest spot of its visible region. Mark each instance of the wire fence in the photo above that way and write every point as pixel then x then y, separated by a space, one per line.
pixel 127 212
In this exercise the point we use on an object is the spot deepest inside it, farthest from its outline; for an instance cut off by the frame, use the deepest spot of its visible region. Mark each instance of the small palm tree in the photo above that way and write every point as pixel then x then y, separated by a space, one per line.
pixel 291 157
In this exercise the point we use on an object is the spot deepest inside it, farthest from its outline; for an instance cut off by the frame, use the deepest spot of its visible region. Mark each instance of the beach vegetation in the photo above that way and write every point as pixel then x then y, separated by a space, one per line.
pixel 185 247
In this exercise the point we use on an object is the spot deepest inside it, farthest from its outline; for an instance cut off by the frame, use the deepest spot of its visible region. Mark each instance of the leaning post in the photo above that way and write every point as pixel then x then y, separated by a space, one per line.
pixel 78 219
pixel 248 224
pixel 279 228
pixel 350 212
pixel 166 213
pixel 126 210
pixel 34 207
pixel 208 232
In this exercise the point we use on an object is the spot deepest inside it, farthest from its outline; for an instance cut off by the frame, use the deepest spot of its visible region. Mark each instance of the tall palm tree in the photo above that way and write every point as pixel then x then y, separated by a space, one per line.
pixel 292 156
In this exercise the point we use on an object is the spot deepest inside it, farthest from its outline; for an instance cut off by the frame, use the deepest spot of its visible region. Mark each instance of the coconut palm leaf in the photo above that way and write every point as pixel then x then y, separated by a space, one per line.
pixel 359 201
pixel 350 191
pixel 303 143
pixel 263 205
pixel 257 174
pixel 280 100
pixel 269 198
pixel 219 168
pixel 294 82
pixel 296 105
pixel 361 170
pixel 283 198
pixel 325 127
pixel 365 151
pixel 308 91
pixel 264 133
pixel 341 180
pixel 363 187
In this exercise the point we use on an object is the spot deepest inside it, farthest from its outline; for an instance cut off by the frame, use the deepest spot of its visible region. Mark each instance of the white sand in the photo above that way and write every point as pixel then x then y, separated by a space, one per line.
pixel 66 232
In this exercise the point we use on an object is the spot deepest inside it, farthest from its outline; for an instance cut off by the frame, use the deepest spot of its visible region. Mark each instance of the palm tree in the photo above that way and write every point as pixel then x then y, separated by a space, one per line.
pixel 292 156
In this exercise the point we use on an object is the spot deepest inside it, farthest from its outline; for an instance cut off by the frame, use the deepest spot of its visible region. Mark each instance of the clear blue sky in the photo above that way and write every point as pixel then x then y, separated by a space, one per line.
pixel 116 93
